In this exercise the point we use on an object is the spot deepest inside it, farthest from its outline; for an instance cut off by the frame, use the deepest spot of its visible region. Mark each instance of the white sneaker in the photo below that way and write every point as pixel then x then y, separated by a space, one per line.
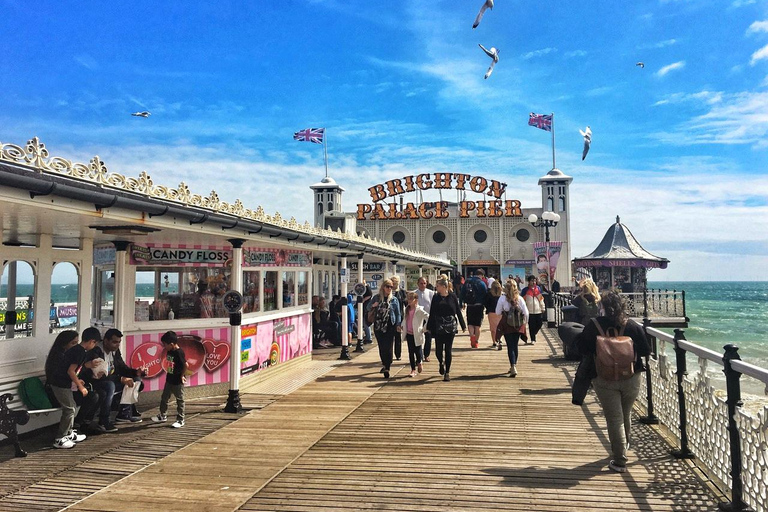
pixel 159 418
pixel 64 442
pixel 178 424
pixel 75 437
pixel 513 371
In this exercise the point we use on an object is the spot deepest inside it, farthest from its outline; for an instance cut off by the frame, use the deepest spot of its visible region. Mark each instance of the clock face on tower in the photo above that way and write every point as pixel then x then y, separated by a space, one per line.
pixel 233 301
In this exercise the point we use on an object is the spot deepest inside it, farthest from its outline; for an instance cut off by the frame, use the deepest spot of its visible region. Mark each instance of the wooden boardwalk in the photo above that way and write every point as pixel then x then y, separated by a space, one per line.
pixel 350 440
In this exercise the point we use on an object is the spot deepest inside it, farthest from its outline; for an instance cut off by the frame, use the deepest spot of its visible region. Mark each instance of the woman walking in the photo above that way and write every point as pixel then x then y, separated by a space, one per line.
pixel 512 311
pixel 617 397
pixel 443 313
pixel 534 301
pixel 588 301
pixel 384 314
pixel 491 300
pixel 413 327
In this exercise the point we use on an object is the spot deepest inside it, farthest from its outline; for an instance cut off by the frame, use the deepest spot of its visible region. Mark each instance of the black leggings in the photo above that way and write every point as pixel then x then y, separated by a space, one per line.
pixel 415 354
pixel 534 324
pixel 385 340
pixel 444 341
pixel 512 338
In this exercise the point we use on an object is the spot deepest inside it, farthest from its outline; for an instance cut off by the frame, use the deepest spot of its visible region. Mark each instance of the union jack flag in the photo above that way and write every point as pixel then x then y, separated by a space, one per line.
pixel 310 135
pixel 542 121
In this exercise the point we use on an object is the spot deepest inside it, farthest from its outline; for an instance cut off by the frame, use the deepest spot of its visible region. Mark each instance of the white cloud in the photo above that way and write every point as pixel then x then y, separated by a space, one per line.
pixel 758 26
pixel 86 61
pixel 671 67
pixel 575 53
pixel 706 97
pixel 760 54
pixel 538 53
pixel 660 44
pixel 742 3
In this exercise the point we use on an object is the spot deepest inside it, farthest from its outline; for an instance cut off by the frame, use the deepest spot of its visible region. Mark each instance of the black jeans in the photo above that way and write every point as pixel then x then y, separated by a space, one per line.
pixel 534 324
pixel 386 339
pixel 512 338
pixel 444 342
pixel 427 344
pixel 88 406
pixel 398 345
pixel 415 355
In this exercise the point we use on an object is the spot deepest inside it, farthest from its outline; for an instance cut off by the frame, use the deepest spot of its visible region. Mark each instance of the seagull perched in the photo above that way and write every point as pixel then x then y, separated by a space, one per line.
pixel 492 53
pixel 142 114
pixel 587 134
pixel 487 5
pixel 641 64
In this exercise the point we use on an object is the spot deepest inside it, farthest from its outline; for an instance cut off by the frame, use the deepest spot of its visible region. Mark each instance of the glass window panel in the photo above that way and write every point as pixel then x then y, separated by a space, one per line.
pixel 303 298
pixel 289 289
pixel 270 290
pixel 65 290
pixel 251 291
pixel 17 295
pixel 166 293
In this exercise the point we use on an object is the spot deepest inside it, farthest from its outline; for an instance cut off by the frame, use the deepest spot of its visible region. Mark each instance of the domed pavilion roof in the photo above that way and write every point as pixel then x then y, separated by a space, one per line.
pixel 619 248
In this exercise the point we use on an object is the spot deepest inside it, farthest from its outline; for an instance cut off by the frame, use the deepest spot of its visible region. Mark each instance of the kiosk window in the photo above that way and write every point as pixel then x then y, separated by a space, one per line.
pixel 251 291
pixel 270 290
pixel 303 297
pixel 289 289
pixel 174 293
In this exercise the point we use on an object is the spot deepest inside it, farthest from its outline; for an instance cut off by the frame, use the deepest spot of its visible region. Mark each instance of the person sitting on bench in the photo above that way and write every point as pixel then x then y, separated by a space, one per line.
pixel 110 379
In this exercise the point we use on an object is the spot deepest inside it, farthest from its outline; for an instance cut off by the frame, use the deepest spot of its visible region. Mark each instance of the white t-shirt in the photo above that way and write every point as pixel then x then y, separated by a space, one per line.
pixel 425 298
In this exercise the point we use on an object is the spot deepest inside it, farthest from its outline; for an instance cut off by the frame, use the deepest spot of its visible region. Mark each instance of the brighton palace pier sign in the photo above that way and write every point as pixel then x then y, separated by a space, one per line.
pixel 381 210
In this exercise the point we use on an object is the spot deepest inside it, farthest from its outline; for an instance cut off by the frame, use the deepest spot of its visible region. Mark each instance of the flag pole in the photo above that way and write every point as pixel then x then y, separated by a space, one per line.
pixel 554 165
pixel 325 151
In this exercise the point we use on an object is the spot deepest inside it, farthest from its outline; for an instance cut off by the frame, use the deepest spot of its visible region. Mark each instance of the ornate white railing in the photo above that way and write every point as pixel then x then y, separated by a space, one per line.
pixel 730 442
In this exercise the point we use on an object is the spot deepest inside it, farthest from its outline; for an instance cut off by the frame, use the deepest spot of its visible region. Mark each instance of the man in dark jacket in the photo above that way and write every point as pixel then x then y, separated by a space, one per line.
pixel 110 380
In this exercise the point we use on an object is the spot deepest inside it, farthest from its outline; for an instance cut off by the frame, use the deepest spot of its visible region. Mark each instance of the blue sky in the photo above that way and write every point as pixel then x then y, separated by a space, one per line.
pixel 680 147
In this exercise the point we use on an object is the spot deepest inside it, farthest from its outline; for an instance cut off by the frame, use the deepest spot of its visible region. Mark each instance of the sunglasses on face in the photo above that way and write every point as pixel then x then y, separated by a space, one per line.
pixel 387 286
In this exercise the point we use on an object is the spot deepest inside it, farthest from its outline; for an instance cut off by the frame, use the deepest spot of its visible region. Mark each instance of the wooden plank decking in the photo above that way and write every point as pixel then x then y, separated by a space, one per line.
pixel 352 441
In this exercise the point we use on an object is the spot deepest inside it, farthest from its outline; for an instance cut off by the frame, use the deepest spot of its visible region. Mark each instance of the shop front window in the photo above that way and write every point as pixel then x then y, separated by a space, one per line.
pixel 175 293
pixel 251 291
pixel 104 292
pixel 303 289
pixel 289 289
pixel 270 290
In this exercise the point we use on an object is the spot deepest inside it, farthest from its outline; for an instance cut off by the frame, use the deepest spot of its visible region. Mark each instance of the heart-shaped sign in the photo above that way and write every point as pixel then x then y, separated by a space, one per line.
pixel 194 353
pixel 148 356
pixel 216 354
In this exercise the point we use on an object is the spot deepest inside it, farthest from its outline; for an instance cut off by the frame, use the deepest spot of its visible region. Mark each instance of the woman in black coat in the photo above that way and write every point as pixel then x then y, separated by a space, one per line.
pixel 443 313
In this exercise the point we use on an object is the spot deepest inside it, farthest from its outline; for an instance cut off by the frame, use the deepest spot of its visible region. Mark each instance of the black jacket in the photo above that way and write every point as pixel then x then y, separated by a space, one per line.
pixel 121 369
pixel 447 306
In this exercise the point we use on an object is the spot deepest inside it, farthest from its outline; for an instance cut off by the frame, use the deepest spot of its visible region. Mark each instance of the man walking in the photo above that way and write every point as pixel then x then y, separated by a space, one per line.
pixel 425 296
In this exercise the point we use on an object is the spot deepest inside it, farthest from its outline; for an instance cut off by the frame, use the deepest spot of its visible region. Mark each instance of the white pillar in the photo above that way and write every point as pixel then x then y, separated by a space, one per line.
pixel 360 312
pixel 344 310
pixel 236 283
pixel 84 297
pixel 119 305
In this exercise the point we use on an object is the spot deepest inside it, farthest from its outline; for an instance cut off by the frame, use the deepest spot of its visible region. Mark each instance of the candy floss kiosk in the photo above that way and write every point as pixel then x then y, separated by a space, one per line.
pixel 180 287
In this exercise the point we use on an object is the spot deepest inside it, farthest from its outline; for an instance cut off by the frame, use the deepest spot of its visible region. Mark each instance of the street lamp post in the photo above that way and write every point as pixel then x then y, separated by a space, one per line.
pixel 548 220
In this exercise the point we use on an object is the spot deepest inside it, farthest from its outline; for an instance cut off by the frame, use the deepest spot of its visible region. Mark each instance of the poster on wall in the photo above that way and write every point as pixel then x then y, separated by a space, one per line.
pixel 207 352
pixel 273 342
pixel 546 263
pixel 519 268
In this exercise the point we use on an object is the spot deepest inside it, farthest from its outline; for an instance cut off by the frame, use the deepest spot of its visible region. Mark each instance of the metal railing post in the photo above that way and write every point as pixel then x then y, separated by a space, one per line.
pixel 684 312
pixel 645 303
pixel 684 452
pixel 733 387
pixel 650 418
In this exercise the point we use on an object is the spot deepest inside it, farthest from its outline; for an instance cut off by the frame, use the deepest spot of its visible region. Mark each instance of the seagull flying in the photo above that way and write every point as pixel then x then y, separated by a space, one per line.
pixel 488 4
pixel 641 64
pixel 492 53
pixel 587 134
pixel 142 114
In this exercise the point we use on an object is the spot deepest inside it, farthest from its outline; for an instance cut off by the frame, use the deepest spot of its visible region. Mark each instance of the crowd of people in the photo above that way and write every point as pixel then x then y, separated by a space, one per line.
pixel 88 378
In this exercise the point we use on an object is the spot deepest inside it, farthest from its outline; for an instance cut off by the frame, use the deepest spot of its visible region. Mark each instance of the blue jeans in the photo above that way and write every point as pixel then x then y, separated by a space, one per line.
pixel 106 389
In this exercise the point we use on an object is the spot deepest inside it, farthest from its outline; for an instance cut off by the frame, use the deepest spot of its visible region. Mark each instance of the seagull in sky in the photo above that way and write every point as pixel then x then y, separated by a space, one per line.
pixel 142 114
pixel 641 64
pixel 488 4
pixel 492 53
pixel 587 134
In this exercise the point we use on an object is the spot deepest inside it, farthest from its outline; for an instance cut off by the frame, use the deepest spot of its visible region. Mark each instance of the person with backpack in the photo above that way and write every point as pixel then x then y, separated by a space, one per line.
pixel 534 301
pixel 491 301
pixel 443 313
pixel 588 301
pixel 399 294
pixel 513 316
pixel 385 316
pixel 473 295
pixel 617 346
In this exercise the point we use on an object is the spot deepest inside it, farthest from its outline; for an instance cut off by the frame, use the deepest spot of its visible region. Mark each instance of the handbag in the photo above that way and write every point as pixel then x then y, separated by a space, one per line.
pixel 447 325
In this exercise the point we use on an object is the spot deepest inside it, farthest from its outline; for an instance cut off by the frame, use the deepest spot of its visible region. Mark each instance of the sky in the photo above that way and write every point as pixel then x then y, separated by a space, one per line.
pixel 679 147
